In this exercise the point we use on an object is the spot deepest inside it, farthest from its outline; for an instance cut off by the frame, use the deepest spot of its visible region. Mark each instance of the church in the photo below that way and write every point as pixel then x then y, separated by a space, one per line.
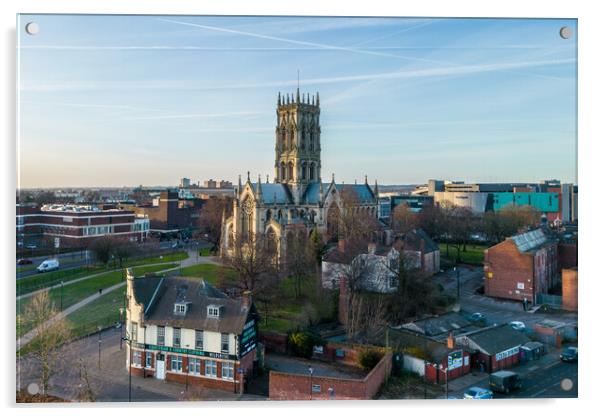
pixel 297 198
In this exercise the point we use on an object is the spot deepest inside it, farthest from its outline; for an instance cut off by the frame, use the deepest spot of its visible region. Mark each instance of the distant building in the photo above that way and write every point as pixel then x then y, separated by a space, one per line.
pixel 421 251
pixel 185 183
pixel 168 214
pixel 569 202
pixel 76 225
pixel 224 184
pixel 211 184
pixel 522 266
pixel 185 330
pixel 434 185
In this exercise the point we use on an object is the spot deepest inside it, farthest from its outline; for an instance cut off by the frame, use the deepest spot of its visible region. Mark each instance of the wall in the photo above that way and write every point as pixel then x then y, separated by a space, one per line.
pixel 570 289
pixel 285 386
pixel 567 256
pixel 413 364
pixel 505 267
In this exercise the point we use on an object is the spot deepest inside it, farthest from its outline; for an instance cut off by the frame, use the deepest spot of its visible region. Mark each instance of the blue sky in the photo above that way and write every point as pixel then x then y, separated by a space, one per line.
pixel 128 100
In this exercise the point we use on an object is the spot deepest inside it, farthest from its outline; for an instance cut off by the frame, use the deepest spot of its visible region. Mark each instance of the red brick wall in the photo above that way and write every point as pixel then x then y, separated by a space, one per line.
pixel 274 342
pixel 567 256
pixel 504 267
pixel 285 386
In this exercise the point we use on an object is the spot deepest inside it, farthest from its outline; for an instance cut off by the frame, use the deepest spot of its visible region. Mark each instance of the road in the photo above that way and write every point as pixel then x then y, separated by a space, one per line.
pixel 545 382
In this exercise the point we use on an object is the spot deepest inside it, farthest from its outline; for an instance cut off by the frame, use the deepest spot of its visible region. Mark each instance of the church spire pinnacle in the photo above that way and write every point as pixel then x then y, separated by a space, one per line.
pixel 258 193
pixel 278 97
pixel 366 179
pixel 239 184
pixel 318 98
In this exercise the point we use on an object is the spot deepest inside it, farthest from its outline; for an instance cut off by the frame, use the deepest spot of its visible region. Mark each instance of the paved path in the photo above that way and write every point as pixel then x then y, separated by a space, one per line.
pixel 190 261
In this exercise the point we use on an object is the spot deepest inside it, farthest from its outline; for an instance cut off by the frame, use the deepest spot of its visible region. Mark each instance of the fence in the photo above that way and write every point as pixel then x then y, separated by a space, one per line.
pixel 551 300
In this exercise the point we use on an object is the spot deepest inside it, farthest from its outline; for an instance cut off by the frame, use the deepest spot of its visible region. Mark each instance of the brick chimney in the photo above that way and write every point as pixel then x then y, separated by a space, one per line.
pixel 451 344
pixel 247 299
pixel 341 246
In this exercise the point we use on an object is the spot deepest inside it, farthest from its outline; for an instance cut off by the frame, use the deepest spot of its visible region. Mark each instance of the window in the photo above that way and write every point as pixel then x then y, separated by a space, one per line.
pixel 176 363
pixel 198 340
pixel 213 311
pixel 149 360
pixel 160 335
pixel 194 366
pixel 180 309
pixel 177 335
pixel 135 331
pixel 225 343
pixel 228 371
pixel 137 358
pixel 211 368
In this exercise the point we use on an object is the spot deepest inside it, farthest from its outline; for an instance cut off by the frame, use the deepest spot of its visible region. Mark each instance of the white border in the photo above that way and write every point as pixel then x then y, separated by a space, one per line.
pixel 589 138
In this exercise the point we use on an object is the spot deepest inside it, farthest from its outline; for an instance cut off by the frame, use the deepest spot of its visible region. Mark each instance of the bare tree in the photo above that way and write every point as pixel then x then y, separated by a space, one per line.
pixel 85 392
pixel 102 248
pixel 210 219
pixel 403 219
pixel 123 249
pixel 300 258
pixel 50 331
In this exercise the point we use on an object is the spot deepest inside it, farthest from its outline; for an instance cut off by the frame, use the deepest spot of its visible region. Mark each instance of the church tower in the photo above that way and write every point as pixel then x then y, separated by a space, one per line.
pixel 298 142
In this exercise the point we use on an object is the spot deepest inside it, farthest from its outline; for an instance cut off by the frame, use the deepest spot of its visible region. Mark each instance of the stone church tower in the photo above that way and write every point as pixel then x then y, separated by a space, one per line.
pixel 297 161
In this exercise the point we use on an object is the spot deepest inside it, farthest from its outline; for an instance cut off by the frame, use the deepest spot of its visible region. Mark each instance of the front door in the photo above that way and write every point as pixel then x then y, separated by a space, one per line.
pixel 160 367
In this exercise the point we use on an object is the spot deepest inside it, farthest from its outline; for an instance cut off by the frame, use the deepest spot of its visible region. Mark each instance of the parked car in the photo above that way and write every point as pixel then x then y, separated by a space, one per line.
pixel 569 355
pixel 31 246
pixel 21 262
pixel 48 265
pixel 477 317
pixel 505 381
pixel 478 393
pixel 518 325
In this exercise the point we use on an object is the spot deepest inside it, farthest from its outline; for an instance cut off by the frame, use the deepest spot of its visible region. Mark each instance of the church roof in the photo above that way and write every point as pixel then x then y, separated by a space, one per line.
pixel 277 192
pixel 363 191
pixel 312 193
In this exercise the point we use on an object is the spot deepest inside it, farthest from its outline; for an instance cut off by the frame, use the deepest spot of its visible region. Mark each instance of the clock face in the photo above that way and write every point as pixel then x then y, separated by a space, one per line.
pixel 247 206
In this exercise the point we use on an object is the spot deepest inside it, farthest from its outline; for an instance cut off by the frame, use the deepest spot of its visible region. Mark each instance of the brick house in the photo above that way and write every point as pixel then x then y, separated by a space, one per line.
pixel 495 347
pixel 522 266
pixel 570 289
pixel 187 331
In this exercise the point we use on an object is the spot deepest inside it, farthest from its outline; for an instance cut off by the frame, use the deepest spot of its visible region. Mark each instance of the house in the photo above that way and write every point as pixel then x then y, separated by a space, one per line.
pixel 424 252
pixel 522 266
pixel 185 330
pixel 494 348
pixel 440 327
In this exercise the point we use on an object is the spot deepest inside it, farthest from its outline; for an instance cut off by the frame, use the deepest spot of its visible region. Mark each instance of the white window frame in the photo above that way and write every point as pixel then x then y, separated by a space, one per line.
pixel 228 371
pixel 213 311
pixel 211 368
pixel 199 335
pixel 176 336
pixel 148 360
pixel 161 335
pixel 137 358
pixel 194 366
pixel 176 359
pixel 225 340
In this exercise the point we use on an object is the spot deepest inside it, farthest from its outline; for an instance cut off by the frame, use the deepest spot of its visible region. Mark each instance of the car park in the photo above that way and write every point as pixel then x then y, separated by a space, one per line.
pixel 569 355
pixel 48 265
pixel 478 393
pixel 504 381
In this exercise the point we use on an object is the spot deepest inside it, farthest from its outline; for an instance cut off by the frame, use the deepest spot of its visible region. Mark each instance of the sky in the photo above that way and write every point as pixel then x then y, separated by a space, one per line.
pixel 146 100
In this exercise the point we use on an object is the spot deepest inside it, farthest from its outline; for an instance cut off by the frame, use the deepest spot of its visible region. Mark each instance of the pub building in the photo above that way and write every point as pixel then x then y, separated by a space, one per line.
pixel 185 330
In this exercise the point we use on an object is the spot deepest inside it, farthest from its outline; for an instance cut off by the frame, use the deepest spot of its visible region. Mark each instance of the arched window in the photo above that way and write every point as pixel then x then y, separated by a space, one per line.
pixel 290 171
pixel 282 171
pixel 312 171
pixel 303 171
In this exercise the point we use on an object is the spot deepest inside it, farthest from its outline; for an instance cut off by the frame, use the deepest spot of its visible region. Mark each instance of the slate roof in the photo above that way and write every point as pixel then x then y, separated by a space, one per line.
pixel 413 238
pixel 312 192
pixel 158 295
pixel 437 325
pixel 363 191
pixel 277 192
pixel 531 240
pixel 495 339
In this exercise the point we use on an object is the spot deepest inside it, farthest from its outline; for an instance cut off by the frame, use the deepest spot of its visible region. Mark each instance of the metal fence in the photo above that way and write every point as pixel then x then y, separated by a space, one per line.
pixel 553 301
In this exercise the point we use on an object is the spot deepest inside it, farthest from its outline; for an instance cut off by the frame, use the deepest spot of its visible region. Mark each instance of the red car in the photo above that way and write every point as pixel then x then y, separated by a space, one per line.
pixel 21 262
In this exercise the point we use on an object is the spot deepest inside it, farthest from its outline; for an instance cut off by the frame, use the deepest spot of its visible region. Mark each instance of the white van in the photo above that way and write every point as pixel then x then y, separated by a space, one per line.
pixel 48 265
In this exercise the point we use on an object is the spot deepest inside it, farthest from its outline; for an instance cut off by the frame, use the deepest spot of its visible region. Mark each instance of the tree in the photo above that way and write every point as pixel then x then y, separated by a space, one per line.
pixel 122 249
pixel 300 259
pixel 102 248
pixel 210 219
pixel 50 331
pixel 403 219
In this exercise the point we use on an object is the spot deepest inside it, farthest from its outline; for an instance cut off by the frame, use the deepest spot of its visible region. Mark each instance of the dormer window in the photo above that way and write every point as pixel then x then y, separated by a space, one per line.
pixel 180 308
pixel 213 311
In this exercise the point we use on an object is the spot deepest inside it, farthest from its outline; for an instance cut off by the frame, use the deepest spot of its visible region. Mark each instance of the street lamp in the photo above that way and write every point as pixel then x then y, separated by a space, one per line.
pixel 311 387
pixel 99 344
pixel 128 341
pixel 121 310
pixel 457 270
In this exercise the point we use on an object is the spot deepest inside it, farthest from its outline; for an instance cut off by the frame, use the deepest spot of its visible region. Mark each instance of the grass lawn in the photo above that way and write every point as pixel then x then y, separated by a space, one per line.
pixel 76 292
pixel 207 271
pixel 284 314
pixel 473 254
pixel 170 257
pixel 205 251
pixel 103 312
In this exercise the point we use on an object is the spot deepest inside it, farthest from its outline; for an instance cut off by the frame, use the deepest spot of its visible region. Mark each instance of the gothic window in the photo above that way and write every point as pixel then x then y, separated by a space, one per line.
pixel 247 217
pixel 290 171
pixel 311 171
pixel 268 215
pixel 230 236
pixel 282 171
pixel 303 171
pixel 303 133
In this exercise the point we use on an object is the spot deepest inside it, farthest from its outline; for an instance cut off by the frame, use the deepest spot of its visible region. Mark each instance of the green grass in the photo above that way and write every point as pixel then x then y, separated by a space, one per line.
pixel 205 251
pixel 210 272
pixel 76 292
pixel 103 312
pixel 473 254
pixel 166 258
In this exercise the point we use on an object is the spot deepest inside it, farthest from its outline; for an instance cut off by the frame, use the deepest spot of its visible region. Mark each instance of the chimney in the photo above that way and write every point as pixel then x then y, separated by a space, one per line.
pixel 451 342
pixel 372 248
pixel 341 246
pixel 247 299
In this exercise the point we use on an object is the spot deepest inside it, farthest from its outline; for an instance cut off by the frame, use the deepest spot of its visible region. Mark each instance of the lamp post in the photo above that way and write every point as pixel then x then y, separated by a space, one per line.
pixel 457 270
pixel 128 341
pixel 311 387
pixel 99 344
pixel 121 310
pixel 62 284
pixel 446 384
